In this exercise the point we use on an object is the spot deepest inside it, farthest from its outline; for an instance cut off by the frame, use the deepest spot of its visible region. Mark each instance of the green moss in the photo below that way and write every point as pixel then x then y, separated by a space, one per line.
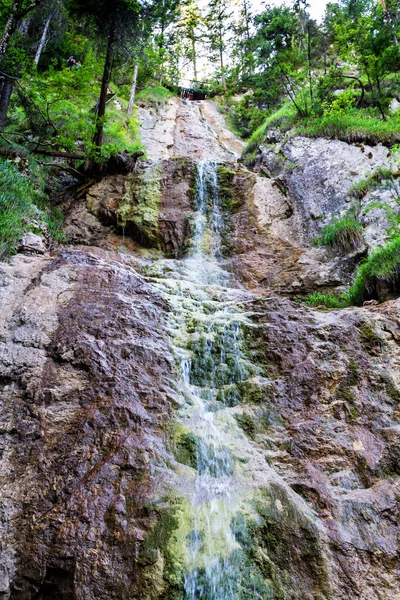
pixel 186 448
pixel 353 372
pixel 246 422
pixel 370 339
pixel 139 209
pixel 168 538
pixel 229 196
pixel 284 544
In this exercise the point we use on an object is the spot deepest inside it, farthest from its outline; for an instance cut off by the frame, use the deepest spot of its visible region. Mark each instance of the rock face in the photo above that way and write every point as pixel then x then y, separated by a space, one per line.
pixel 96 468
pixel 85 392
pixel 319 175
pixel 332 407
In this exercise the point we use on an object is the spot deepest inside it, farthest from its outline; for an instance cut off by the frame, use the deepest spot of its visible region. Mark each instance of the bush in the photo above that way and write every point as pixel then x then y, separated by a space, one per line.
pixel 247 116
pixel 344 234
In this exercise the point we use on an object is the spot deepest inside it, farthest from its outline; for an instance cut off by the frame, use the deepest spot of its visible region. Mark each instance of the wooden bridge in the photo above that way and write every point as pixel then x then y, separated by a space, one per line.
pixel 194 90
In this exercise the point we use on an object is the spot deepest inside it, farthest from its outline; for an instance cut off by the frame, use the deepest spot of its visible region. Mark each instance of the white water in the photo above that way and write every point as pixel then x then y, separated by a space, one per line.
pixel 206 328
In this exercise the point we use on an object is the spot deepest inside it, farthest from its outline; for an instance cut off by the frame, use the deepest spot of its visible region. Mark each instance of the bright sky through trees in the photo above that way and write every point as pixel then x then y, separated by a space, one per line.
pixel 317 7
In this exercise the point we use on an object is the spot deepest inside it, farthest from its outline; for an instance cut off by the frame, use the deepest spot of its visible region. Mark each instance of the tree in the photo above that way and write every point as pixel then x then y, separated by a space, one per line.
pixel 219 26
pixel 18 11
pixel 117 14
pixel 189 25
pixel 165 13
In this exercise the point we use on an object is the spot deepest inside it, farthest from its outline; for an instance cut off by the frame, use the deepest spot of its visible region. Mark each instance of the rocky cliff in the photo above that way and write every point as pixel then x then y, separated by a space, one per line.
pixel 99 428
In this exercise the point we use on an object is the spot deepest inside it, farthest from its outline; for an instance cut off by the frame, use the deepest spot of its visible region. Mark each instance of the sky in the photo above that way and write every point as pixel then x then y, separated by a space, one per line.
pixel 317 7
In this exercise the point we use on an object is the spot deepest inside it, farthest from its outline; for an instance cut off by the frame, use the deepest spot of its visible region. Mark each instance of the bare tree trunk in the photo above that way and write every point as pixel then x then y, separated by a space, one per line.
pixel 98 136
pixel 221 59
pixel 194 58
pixel 6 87
pixel 17 13
pixel 133 90
pixel 9 29
pixel 43 39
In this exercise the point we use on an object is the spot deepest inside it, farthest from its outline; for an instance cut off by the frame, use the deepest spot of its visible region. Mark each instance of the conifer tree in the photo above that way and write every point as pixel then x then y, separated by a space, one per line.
pixel 219 27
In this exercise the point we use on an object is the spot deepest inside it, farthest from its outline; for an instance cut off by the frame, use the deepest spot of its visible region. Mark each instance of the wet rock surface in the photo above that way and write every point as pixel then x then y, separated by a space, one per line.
pixel 330 408
pixel 85 376
pixel 95 472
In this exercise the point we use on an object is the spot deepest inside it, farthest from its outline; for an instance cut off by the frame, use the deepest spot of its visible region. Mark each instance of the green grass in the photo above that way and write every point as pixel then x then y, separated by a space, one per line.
pixel 343 234
pixel 362 187
pixel 24 207
pixel 328 300
pixel 381 266
pixel 282 116
pixel 353 126
pixel 154 96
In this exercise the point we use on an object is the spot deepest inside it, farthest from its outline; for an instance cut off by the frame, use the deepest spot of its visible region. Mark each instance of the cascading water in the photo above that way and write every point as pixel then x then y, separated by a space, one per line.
pixel 206 330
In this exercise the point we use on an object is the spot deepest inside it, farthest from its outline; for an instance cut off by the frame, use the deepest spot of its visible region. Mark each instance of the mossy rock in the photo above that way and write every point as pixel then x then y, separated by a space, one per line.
pixel 139 210
pixel 285 545
pixel 186 449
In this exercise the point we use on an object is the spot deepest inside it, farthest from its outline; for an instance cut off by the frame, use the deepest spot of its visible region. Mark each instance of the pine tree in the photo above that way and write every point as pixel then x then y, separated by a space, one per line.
pixel 219 27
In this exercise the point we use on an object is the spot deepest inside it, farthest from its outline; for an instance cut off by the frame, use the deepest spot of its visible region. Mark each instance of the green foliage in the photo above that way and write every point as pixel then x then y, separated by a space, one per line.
pixel 382 265
pixel 339 105
pixel 343 234
pixel 23 206
pixel 61 105
pixel 328 300
pixel 154 96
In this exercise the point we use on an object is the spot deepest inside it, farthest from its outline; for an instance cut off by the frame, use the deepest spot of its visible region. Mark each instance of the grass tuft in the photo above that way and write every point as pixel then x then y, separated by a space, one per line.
pixel 344 235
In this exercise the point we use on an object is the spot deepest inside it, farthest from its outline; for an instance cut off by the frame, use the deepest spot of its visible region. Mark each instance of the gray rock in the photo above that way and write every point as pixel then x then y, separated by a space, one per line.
pixel 31 242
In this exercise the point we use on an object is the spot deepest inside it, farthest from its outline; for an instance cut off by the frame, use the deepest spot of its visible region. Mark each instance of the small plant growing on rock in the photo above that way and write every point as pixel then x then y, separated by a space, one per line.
pixel 343 234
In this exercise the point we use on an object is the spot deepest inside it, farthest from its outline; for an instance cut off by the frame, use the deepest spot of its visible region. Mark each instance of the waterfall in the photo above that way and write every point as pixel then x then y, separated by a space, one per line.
pixel 205 327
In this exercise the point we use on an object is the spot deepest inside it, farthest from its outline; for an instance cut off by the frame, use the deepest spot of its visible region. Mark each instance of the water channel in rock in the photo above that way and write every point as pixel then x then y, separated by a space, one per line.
pixel 206 327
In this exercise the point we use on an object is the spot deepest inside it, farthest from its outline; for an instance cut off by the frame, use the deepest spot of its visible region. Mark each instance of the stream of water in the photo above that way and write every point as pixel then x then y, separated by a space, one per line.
pixel 205 327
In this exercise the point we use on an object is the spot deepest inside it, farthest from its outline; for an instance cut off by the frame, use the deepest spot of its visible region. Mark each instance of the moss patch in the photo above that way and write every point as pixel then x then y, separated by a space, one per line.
pixel 285 545
pixel 139 209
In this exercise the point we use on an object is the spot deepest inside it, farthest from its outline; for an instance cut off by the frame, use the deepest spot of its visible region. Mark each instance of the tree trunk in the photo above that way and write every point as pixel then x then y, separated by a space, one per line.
pixel 221 59
pixel 43 39
pixel 389 21
pixel 98 136
pixel 9 29
pixel 309 63
pixel 6 87
pixel 194 57
pixel 133 90
pixel 17 13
